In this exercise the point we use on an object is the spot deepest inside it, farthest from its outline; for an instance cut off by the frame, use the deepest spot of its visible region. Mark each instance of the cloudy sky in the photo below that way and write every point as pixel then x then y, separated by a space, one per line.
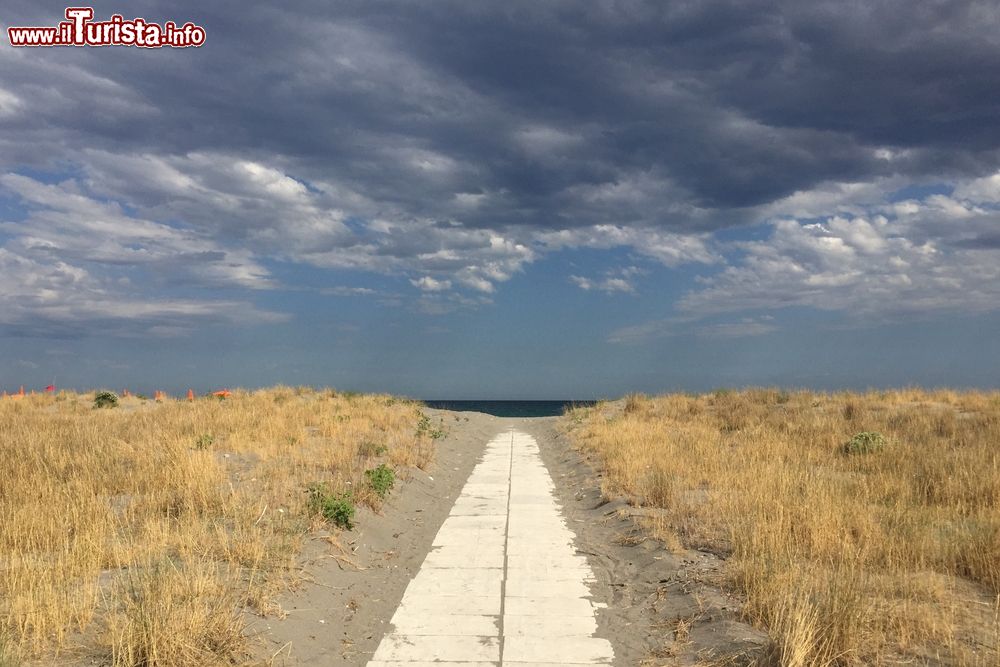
pixel 531 199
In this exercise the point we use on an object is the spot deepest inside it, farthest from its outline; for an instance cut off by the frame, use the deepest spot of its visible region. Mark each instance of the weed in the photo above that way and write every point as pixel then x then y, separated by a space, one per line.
pixel 865 442
pixel 426 427
pixel 370 448
pixel 105 399
pixel 381 479
pixel 634 403
pixel 337 508
pixel 423 424
pixel 204 441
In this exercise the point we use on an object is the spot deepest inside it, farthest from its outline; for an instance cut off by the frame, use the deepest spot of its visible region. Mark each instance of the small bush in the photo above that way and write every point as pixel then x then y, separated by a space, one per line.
pixel 381 479
pixel 370 448
pixel 337 508
pixel 865 442
pixel 424 427
pixel 106 399
pixel 204 441
pixel 634 403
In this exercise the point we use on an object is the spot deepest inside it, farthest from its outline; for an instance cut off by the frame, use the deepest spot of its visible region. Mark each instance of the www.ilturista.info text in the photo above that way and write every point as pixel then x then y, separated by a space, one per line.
pixel 79 29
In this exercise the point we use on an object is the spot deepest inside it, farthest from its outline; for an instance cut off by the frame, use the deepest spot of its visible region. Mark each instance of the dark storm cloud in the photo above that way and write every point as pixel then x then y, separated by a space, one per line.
pixel 730 104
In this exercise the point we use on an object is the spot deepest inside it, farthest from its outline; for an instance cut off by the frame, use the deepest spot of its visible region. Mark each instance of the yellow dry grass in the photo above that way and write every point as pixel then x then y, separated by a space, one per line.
pixel 140 534
pixel 885 557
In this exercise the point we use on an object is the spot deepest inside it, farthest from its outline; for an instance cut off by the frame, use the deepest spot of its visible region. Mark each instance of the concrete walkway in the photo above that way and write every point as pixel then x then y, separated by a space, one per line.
pixel 503 584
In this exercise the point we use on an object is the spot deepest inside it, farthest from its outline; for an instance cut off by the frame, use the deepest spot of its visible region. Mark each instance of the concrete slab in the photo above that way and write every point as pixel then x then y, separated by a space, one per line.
pixel 557 650
pixel 504 551
pixel 441 625
pixel 460 555
pixel 447 584
pixel 450 604
pixel 547 626
pixel 555 606
pixel 446 648
pixel 524 587
pixel 408 663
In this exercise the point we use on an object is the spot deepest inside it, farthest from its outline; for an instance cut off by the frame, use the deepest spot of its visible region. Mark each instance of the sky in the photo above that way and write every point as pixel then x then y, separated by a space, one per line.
pixel 518 199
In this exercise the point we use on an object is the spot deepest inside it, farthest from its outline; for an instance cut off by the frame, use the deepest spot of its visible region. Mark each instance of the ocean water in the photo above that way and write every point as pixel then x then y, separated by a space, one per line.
pixel 509 408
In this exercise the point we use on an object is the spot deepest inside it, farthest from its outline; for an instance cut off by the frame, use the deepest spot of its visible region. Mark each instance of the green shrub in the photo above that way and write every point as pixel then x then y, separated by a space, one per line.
pixel 424 427
pixel 865 442
pixel 204 441
pixel 337 508
pixel 381 479
pixel 106 399
pixel 370 448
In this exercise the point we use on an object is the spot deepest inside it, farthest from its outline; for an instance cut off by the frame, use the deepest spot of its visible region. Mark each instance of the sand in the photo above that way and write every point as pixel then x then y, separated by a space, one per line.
pixel 657 606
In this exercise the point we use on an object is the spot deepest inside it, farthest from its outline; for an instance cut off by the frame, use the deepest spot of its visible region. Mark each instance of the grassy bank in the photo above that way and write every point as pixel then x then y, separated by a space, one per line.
pixel 859 528
pixel 139 534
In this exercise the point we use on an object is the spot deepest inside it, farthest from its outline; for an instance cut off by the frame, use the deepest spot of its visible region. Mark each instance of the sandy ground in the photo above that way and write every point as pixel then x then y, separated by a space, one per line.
pixel 660 610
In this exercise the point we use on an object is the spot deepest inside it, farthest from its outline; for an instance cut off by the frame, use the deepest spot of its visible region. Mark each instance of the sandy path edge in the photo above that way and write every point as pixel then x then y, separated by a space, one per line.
pixel 339 614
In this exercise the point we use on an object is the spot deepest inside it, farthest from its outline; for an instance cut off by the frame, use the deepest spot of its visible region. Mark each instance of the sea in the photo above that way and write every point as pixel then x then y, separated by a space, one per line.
pixel 509 408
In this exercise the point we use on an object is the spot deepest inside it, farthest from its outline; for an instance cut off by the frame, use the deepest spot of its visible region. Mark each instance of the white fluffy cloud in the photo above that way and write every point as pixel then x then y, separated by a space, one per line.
pixel 223 202
pixel 935 253
pixel 56 298
pixel 212 221
pixel 65 224
pixel 619 280
pixel 668 248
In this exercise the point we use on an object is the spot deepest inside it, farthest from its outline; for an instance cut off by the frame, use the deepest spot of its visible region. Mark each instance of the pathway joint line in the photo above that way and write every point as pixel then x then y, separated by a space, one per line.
pixel 506 542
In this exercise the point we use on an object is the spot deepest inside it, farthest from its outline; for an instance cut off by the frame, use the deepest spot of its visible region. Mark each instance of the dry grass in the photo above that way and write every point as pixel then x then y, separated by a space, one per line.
pixel 846 559
pixel 140 534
